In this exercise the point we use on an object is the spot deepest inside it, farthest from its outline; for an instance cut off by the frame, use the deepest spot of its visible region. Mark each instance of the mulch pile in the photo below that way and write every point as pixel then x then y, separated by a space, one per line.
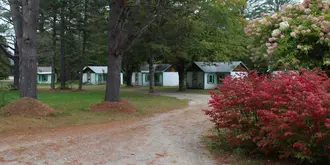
pixel 122 106
pixel 27 106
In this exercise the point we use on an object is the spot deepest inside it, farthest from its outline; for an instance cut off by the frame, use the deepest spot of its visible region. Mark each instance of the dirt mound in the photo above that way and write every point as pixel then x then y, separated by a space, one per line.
pixel 122 106
pixel 27 106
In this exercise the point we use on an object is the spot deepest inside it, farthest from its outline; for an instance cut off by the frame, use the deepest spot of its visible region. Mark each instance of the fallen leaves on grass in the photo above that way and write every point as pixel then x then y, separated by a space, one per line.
pixel 27 106
pixel 122 106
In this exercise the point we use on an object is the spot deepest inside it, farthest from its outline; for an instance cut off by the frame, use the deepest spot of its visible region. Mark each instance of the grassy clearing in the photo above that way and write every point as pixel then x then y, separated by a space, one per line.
pixel 173 90
pixel 135 88
pixel 73 109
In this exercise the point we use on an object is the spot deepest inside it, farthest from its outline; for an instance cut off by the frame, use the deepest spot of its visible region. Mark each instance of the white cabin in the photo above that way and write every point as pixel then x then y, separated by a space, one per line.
pixel 165 75
pixel 97 75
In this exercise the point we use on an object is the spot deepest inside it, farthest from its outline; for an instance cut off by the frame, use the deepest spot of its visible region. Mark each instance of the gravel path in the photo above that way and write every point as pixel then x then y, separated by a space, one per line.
pixel 169 138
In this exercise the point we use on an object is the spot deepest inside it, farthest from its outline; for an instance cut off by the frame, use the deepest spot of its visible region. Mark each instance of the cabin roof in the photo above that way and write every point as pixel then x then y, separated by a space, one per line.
pixel 157 67
pixel 219 66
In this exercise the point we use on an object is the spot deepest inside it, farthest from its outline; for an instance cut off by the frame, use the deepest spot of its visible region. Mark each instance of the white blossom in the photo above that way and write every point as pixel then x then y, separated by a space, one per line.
pixel 276 32
pixel 284 25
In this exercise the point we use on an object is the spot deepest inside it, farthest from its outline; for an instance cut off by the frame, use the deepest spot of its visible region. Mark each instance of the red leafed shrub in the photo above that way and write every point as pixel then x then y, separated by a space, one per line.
pixel 287 114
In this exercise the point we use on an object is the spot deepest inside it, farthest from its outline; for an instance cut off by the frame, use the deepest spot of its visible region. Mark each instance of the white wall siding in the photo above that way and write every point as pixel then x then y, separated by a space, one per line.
pixel 95 78
pixel 138 80
pixel 84 80
pixel 170 79
pixel 238 74
pixel 121 79
pixel 49 79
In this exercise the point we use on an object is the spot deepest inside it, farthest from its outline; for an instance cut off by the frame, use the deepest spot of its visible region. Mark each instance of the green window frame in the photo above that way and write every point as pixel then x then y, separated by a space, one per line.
pixel 43 78
pixel 210 78
pixel 147 78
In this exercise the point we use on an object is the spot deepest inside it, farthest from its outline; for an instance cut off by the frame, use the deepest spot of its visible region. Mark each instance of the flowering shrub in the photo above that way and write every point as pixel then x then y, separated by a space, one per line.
pixel 287 114
pixel 299 35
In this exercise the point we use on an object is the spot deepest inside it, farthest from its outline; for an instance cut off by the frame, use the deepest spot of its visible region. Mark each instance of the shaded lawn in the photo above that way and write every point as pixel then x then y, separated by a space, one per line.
pixel 73 109
pixel 174 90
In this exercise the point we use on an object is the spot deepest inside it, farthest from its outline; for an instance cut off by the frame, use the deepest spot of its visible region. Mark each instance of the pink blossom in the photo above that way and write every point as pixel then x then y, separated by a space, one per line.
pixel 293 34
pixel 301 7
pixel 320 5
pixel 307 11
pixel 293 26
pixel 321 34
pixel 274 16
pixel 270 52
pixel 314 19
pixel 303 31
pixel 321 18
pixel 263 14
pixel 275 45
pixel 282 36
pixel 322 38
pixel 265 55
pixel 299 46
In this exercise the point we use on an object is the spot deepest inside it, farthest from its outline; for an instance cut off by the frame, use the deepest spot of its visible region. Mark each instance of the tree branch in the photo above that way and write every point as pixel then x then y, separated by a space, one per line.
pixel 7 46
pixel 139 34
pixel 5 52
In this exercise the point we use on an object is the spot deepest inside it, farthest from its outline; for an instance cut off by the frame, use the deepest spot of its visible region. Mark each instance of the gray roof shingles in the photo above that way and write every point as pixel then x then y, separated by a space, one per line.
pixel 157 67
pixel 212 67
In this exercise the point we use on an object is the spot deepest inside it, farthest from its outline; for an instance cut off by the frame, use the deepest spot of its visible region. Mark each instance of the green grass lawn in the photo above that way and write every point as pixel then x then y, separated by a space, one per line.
pixel 173 90
pixel 73 109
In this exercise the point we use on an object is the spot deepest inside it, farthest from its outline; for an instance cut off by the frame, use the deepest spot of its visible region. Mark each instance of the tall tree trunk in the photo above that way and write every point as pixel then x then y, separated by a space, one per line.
pixel 18 28
pixel 62 59
pixel 112 93
pixel 52 83
pixel 28 59
pixel 181 69
pixel 151 74
pixel 129 73
pixel 83 55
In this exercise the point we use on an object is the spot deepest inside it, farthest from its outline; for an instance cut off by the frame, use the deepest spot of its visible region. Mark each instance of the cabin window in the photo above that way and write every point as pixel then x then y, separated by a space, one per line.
pixel 43 78
pixel 210 78
pixel 147 77
pixel 157 77
pixel 136 77
pixel 89 76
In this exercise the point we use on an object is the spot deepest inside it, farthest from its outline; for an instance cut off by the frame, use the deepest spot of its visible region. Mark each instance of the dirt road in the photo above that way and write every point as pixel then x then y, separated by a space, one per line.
pixel 169 138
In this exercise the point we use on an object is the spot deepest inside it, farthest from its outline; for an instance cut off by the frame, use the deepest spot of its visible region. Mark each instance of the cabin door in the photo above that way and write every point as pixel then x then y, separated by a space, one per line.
pixel 136 79
pixel 89 77
pixel 195 80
